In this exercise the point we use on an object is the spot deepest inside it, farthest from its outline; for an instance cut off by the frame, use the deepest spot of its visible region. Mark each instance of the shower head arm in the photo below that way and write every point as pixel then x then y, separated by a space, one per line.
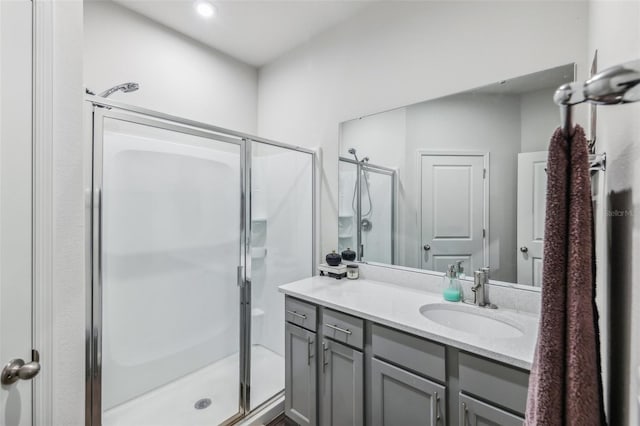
pixel 124 87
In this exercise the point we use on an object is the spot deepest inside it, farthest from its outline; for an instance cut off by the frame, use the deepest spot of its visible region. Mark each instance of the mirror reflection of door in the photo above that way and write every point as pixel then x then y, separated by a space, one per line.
pixel 453 200
pixel 532 189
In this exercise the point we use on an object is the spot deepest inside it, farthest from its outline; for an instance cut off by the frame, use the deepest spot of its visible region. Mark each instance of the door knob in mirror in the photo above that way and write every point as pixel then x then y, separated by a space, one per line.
pixel 426 247
pixel 524 249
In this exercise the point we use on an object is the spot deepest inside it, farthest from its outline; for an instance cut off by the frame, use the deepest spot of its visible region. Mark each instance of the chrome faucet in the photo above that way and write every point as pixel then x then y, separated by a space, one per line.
pixel 480 280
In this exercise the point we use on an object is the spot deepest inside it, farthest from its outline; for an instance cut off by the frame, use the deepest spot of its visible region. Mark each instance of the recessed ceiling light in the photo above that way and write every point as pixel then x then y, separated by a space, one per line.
pixel 205 9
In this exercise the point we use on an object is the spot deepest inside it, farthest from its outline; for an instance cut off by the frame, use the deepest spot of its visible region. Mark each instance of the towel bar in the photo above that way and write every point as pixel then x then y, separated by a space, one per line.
pixel 619 84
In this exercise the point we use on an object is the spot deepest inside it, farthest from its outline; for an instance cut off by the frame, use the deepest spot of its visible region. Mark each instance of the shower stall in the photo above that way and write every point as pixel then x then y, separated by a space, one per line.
pixel 194 227
pixel 367 209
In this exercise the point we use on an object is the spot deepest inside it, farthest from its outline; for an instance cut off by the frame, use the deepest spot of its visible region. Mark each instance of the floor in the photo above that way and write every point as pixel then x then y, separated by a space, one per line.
pixel 174 404
pixel 282 421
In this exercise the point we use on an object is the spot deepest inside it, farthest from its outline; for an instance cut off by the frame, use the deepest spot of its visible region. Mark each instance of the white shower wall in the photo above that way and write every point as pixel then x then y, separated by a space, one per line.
pixel 171 220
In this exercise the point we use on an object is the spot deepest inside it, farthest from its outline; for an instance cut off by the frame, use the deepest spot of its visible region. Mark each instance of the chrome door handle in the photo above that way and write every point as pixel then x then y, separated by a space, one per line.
pixel 325 348
pixel 309 351
pixel 426 247
pixel 16 369
pixel 465 415
pixel 437 407
pixel 524 249
pixel 335 327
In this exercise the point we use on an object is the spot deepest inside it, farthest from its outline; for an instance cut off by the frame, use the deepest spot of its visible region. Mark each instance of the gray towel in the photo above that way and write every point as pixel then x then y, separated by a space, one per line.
pixel 565 385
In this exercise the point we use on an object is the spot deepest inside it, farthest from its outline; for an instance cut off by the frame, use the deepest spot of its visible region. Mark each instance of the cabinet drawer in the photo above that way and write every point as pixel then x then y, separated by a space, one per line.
pixel 300 313
pixel 474 412
pixel 503 385
pixel 413 353
pixel 343 328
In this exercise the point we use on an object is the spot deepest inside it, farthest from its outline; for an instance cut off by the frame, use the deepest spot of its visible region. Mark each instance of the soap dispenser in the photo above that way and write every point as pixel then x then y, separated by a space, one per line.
pixel 460 270
pixel 451 290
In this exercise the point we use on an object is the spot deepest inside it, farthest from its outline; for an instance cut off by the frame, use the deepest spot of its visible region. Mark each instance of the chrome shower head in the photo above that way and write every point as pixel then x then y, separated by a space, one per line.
pixel 352 151
pixel 124 87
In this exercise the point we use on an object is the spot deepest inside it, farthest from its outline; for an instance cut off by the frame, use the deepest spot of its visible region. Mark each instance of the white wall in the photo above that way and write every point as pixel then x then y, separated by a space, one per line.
pixel 614 29
pixel 539 118
pixel 177 75
pixel 399 53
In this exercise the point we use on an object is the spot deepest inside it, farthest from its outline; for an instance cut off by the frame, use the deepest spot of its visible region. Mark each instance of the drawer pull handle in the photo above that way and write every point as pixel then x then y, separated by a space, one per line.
pixel 437 407
pixel 335 327
pixel 309 351
pixel 465 419
pixel 295 314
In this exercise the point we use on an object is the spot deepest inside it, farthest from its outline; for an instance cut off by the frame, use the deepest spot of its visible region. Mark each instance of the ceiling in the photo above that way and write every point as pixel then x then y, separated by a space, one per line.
pixel 255 32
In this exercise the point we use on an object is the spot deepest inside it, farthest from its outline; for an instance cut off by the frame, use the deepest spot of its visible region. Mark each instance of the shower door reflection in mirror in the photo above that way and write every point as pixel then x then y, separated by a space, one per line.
pixel 470 180
pixel 375 229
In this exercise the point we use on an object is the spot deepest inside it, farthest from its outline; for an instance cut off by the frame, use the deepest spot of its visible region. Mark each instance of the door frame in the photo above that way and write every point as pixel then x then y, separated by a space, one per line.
pixel 485 195
pixel 43 136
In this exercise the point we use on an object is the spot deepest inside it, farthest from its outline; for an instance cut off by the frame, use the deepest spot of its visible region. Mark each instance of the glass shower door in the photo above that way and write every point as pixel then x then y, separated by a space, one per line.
pixel 282 191
pixel 166 287
pixel 377 216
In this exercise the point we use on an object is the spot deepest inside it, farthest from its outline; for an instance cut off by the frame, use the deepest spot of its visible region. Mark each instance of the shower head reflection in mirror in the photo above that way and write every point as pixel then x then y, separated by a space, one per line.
pixel 461 207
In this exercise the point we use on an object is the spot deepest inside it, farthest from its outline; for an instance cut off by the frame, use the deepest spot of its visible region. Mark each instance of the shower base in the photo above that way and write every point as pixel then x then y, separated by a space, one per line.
pixel 174 403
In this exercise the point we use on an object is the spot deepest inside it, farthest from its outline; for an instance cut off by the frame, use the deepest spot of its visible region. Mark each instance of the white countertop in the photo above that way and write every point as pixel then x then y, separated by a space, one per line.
pixel 399 307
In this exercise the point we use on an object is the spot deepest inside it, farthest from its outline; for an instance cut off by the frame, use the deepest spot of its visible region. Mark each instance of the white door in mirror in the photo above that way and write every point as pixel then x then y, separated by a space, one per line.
pixel 532 192
pixel 452 211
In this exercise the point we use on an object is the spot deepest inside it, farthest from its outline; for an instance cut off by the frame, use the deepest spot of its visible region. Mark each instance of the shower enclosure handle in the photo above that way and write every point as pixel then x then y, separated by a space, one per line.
pixel 240 279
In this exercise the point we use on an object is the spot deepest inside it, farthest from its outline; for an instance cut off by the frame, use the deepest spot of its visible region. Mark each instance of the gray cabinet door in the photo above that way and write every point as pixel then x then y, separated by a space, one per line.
pixel 342 379
pixel 300 375
pixel 478 413
pixel 400 398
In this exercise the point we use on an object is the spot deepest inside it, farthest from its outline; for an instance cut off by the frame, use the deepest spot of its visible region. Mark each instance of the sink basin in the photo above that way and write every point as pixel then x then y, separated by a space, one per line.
pixel 471 320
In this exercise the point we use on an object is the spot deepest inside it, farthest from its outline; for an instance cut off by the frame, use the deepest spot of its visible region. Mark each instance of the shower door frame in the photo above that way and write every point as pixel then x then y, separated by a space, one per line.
pixel 96 109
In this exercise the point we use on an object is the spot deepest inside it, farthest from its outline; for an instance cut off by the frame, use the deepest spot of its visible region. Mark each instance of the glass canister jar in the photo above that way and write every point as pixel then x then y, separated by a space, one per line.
pixel 353 272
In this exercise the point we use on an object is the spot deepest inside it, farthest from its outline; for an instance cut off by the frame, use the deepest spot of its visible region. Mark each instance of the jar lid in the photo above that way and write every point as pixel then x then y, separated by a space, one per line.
pixel 352 266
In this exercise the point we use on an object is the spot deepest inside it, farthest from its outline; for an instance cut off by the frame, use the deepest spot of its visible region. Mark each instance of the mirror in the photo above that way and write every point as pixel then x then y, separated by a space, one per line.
pixel 458 178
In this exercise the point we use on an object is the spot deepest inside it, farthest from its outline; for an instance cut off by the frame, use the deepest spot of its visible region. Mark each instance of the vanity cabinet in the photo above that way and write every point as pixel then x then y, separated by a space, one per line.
pixel 342 370
pixel 300 362
pixel 477 413
pixel 342 373
pixel 399 397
